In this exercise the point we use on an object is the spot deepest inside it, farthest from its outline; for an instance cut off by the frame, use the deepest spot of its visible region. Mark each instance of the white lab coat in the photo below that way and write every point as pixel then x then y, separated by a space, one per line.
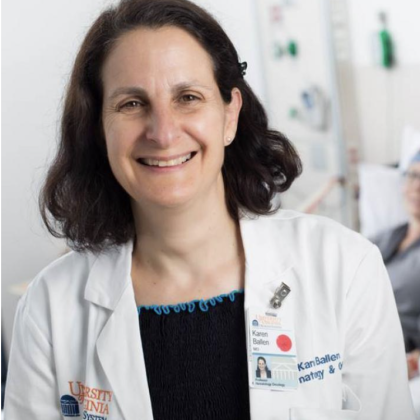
pixel 78 323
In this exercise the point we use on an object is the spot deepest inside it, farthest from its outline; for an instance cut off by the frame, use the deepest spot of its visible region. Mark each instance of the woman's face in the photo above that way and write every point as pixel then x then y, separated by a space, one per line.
pixel 411 190
pixel 261 365
pixel 161 107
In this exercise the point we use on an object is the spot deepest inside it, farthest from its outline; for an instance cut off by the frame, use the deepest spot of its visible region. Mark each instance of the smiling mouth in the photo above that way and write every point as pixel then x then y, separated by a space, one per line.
pixel 165 163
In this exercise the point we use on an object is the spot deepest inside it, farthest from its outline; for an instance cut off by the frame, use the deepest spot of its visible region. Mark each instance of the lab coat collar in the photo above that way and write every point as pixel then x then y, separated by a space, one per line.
pixel 267 255
pixel 109 276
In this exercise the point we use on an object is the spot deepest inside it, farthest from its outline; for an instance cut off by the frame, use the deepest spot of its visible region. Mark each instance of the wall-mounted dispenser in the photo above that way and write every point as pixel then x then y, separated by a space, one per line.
pixel 383 44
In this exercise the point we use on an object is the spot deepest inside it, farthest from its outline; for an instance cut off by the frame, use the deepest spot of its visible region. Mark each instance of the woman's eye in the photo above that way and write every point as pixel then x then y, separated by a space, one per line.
pixel 131 105
pixel 189 98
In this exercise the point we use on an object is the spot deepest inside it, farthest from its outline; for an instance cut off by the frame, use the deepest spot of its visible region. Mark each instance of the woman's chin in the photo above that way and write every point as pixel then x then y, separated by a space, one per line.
pixel 166 202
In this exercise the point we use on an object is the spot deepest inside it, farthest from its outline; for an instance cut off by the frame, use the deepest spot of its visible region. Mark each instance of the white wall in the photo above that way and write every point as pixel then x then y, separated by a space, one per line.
pixel 387 100
pixel 307 23
pixel 40 40
pixel 403 22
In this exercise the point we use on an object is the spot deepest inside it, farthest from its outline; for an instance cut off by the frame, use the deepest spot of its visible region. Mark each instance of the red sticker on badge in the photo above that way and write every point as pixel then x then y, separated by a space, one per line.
pixel 284 343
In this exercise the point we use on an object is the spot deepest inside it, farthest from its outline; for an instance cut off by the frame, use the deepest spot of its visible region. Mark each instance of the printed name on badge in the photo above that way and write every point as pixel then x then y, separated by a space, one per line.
pixel 272 351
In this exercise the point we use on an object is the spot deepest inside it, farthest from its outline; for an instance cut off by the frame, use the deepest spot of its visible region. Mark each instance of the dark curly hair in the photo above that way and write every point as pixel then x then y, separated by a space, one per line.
pixel 82 201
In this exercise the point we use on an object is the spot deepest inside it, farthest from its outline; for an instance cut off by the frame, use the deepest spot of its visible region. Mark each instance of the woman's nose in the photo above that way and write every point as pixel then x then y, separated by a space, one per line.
pixel 163 126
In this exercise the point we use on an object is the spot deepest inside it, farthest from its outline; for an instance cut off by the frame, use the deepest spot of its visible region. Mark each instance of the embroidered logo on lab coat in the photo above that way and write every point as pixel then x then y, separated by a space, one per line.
pixel 69 406
pixel 95 401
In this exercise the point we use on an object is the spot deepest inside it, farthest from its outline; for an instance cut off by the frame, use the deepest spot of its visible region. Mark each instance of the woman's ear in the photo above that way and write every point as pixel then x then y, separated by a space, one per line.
pixel 232 116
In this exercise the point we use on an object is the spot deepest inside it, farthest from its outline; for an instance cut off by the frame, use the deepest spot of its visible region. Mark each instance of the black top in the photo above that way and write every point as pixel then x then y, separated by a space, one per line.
pixel 196 362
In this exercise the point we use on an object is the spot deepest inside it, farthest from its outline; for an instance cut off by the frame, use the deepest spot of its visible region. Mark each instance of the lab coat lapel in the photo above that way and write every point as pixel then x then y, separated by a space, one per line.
pixel 268 261
pixel 118 345
pixel 121 355
pixel 268 264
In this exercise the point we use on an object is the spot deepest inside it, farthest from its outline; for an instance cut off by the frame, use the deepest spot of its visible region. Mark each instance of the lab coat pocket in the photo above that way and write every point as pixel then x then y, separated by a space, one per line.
pixel 350 410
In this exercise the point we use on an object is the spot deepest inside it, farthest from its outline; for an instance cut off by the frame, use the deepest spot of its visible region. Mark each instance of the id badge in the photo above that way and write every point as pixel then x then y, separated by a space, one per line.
pixel 272 351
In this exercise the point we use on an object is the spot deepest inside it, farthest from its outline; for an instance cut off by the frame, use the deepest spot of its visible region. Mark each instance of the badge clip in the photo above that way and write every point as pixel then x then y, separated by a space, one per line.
pixel 279 295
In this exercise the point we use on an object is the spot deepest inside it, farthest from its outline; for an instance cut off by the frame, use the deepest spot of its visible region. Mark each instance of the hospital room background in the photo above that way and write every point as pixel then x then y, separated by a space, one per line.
pixel 341 78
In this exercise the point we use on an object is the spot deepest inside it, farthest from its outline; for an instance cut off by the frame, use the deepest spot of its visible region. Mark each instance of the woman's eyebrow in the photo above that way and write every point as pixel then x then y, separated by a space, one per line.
pixel 188 85
pixel 138 91
pixel 128 90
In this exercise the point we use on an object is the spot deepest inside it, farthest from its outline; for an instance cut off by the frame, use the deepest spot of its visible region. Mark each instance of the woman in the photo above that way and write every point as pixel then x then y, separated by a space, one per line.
pixel 163 184
pixel 400 248
pixel 262 371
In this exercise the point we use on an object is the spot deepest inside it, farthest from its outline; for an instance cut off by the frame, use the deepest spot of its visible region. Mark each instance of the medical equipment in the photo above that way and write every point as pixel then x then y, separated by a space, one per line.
pixel 383 44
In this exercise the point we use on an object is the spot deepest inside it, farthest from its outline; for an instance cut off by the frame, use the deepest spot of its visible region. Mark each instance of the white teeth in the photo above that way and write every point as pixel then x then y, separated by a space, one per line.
pixel 163 163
